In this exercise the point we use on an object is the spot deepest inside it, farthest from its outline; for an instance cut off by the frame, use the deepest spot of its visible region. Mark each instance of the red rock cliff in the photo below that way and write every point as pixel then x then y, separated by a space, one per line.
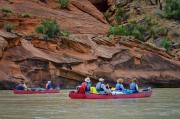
pixel 87 51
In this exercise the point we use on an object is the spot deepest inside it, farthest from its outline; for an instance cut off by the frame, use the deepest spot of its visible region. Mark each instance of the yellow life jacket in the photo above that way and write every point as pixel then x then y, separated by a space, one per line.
pixel 113 88
pixel 93 90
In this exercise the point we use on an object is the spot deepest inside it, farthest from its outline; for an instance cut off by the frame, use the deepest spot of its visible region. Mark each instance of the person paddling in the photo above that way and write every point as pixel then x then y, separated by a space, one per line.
pixel 119 88
pixel 21 86
pixel 85 87
pixel 133 86
pixel 101 87
pixel 49 85
pixel 119 85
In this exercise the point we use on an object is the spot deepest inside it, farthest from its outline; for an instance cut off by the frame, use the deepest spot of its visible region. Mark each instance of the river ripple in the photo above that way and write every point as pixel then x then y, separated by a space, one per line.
pixel 164 104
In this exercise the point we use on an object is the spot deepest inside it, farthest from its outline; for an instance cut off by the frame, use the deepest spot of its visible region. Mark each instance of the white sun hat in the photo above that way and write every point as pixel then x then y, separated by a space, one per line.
pixel 87 79
pixel 101 79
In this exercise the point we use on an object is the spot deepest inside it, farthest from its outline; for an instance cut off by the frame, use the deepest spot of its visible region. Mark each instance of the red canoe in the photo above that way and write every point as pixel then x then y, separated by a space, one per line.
pixel 35 92
pixel 143 94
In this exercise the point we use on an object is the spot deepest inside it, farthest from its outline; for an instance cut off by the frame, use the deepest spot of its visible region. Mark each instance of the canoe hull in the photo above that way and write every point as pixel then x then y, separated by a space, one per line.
pixel 144 94
pixel 35 92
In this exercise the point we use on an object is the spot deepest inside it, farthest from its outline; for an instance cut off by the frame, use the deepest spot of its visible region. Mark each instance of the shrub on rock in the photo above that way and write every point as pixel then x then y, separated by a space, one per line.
pixel 166 43
pixel 64 3
pixel 25 15
pixel 9 27
pixel 121 15
pixel 49 28
pixel 6 11
pixel 141 30
pixel 172 9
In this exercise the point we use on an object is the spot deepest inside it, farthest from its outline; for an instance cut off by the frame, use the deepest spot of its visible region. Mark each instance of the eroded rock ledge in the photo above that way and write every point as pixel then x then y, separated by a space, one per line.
pixel 68 61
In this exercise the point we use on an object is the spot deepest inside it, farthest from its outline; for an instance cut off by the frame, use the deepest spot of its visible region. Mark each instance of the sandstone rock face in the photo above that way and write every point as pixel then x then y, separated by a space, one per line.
pixel 66 66
pixel 97 1
pixel 87 19
pixel 7 35
pixel 3 45
pixel 86 52
pixel 90 9
pixel 10 74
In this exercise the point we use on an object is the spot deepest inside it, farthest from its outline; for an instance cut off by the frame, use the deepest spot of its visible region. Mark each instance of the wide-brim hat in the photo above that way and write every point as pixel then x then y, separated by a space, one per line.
pixel 120 80
pixel 101 79
pixel 134 80
pixel 87 79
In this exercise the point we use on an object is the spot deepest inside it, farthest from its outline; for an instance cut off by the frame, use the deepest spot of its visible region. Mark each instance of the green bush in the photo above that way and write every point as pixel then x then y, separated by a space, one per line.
pixel 121 15
pixel 107 14
pixel 49 28
pixel 64 33
pixel 6 10
pixel 177 47
pixel 9 27
pixel 26 15
pixel 131 29
pixel 64 3
pixel 137 34
pixel 172 9
pixel 141 30
pixel 166 43
pixel 158 31
pixel 118 30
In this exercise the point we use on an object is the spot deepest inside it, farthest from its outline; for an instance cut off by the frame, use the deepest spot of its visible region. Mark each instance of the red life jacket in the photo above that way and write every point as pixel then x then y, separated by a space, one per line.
pixel 82 88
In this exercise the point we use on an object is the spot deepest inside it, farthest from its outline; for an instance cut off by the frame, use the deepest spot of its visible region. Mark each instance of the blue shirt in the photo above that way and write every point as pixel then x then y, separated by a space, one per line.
pixel 119 87
pixel 20 87
pixel 88 87
pixel 133 86
pixel 49 86
pixel 100 87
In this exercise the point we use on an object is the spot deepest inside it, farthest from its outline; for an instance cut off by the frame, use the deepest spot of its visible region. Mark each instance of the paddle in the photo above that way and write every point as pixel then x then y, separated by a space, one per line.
pixel 146 89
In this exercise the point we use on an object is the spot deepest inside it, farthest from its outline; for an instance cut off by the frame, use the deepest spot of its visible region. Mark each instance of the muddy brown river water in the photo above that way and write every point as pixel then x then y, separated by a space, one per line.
pixel 164 104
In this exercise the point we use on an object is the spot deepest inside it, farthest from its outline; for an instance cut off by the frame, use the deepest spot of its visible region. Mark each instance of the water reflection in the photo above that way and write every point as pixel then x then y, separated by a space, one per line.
pixel 164 104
